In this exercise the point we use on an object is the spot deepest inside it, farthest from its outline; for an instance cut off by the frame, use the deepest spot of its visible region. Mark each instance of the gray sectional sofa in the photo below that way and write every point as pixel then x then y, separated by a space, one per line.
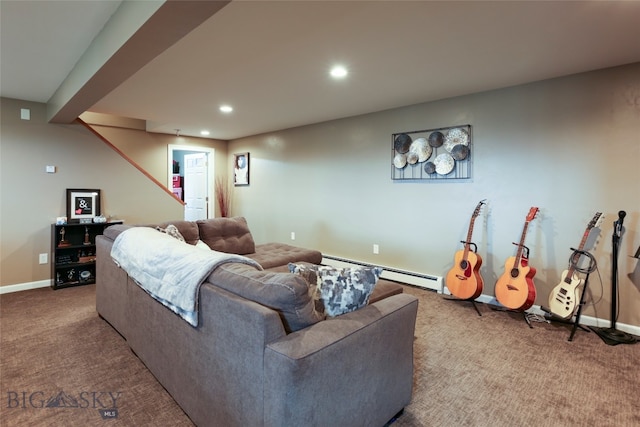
pixel 260 355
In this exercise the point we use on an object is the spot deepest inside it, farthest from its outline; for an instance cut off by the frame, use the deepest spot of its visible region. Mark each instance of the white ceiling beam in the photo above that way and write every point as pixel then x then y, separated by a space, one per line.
pixel 136 33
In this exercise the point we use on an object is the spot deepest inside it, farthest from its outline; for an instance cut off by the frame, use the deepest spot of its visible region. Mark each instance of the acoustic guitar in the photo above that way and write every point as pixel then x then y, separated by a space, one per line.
pixel 515 288
pixel 464 279
pixel 564 298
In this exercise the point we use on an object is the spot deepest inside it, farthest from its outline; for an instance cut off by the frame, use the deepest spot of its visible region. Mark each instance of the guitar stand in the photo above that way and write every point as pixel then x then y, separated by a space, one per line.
pixel 473 302
pixel 525 250
pixel 525 255
pixel 475 250
pixel 526 319
pixel 524 313
pixel 575 257
pixel 587 272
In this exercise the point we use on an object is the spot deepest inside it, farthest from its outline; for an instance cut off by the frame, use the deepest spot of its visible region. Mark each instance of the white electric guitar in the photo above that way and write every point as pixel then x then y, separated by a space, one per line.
pixel 565 297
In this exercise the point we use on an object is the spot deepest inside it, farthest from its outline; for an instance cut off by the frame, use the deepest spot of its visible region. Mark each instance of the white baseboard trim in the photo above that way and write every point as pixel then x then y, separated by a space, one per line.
pixel 595 322
pixel 24 286
pixel 421 280
pixel 584 320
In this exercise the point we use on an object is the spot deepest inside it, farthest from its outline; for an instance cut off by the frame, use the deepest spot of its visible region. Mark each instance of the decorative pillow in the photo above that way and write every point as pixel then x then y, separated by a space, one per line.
pixel 341 290
pixel 172 231
pixel 188 229
pixel 309 273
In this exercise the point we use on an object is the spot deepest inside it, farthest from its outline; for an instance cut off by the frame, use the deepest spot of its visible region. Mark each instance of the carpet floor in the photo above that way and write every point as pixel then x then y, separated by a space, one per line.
pixel 62 365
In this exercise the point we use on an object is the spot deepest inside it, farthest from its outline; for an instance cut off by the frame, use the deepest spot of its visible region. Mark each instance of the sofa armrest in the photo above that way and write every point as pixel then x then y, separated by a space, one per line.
pixel 354 369
pixel 111 286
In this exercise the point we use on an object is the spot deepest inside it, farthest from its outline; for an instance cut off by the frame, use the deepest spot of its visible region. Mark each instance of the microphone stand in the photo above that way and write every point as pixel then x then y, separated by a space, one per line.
pixel 611 335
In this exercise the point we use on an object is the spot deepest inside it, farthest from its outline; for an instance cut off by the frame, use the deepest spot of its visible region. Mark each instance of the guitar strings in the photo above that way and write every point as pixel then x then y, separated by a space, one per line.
pixel 591 267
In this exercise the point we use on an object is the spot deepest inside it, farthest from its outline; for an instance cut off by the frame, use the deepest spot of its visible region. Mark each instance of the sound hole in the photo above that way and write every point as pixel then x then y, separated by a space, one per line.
pixel 464 264
pixel 515 272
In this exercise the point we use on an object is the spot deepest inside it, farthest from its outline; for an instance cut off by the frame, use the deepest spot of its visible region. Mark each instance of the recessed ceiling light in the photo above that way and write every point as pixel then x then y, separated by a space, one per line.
pixel 339 72
pixel 204 132
pixel 226 108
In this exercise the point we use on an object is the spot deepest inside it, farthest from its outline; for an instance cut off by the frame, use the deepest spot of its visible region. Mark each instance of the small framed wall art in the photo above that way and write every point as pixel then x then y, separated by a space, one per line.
pixel 241 169
pixel 432 154
pixel 82 205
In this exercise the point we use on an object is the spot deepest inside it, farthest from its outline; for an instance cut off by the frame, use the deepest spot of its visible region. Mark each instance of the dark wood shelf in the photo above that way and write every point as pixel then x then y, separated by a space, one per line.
pixel 68 262
pixel 62 265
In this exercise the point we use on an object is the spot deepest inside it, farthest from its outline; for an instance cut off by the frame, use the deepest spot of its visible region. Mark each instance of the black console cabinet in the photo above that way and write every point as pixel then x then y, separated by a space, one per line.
pixel 73 253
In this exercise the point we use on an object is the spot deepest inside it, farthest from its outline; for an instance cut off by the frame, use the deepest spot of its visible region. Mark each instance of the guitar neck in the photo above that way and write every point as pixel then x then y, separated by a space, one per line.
pixel 467 243
pixel 572 265
pixel 516 264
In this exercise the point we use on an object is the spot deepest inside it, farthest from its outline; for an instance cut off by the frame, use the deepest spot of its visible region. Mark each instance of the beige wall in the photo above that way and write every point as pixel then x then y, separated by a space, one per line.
pixel 31 199
pixel 149 150
pixel 570 146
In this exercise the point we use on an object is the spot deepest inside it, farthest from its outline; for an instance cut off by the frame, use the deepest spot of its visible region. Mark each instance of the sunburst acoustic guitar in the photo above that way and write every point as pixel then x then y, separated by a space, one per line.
pixel 515 288
pixel 565 297
pixel 464 280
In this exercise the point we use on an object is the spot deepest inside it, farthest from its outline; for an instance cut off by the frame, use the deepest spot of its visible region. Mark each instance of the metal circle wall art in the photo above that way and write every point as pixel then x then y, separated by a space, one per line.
pixel 432 154
pixel 422 149
pixel 460 152
pixel 436 139
pixel 400 161
pixel 456 136
pixel 430 167
pixel 444 164
pixel 402 143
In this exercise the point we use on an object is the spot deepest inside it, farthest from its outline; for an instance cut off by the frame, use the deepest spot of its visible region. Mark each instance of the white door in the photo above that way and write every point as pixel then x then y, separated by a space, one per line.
pixel 195 187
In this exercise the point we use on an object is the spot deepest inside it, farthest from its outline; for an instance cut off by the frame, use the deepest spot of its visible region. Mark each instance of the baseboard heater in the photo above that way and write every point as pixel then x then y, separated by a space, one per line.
pixel 409 277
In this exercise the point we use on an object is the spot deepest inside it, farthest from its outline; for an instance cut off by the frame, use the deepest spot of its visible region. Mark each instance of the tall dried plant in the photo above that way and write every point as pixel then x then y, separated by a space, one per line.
pixel 223 196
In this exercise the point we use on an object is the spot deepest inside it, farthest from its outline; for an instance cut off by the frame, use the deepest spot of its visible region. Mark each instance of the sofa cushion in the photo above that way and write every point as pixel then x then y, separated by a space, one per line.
pixel 230 235
pixel 274 254
pixel 188 229
pixel 286 293
pixel 341 290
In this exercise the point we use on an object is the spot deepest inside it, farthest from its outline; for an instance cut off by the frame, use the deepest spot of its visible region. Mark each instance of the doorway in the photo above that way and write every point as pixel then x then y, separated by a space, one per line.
pixel 199 195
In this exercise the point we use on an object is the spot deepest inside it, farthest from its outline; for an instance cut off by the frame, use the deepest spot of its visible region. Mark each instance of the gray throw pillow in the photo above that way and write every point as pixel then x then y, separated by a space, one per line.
pixel 341 290
pixel 188 229
pixel 172 231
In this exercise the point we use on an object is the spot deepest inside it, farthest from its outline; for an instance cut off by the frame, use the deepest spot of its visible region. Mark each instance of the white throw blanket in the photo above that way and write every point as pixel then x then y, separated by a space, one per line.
pixel 171 271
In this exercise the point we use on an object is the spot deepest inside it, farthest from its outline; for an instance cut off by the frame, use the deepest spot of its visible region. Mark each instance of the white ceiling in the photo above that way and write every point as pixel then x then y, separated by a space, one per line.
pixel 270 59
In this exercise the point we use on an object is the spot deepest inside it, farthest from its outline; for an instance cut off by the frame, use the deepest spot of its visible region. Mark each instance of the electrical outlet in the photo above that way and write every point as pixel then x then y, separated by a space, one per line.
pixel 376 249
pixel 43 258
pixel 293 235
